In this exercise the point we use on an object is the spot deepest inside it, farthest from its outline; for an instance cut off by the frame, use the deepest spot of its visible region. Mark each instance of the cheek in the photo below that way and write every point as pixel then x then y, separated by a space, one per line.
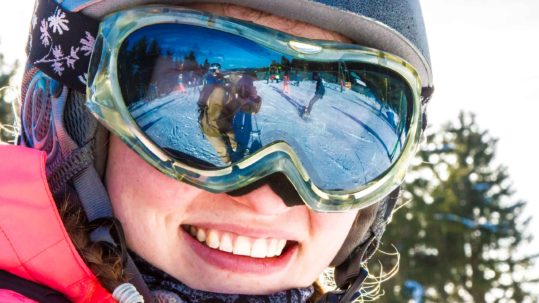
pixel 327 235
pixel 133 183
pixel 331 228
pixel 149 204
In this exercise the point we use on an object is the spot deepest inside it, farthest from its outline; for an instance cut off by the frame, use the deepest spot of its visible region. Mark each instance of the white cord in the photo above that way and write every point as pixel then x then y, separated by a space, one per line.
pixel 127 293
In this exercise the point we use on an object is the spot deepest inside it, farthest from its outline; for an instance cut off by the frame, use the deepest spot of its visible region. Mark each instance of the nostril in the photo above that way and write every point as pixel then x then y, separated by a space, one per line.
pixel 278 183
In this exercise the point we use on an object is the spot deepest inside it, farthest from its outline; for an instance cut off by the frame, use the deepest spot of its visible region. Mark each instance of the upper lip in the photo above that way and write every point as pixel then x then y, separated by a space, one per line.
pixel 250 231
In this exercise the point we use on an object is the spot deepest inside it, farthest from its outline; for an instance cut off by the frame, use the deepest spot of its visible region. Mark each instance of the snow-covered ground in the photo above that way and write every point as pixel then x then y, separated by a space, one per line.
pixel 345 130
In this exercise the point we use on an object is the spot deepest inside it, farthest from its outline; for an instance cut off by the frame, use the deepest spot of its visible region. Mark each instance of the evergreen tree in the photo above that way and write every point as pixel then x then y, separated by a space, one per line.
pixel 206 65
pixel 460 236
pixel 7 117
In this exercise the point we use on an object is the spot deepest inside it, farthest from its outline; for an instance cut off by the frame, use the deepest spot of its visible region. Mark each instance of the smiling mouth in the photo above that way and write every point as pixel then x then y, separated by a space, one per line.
pixel 238 244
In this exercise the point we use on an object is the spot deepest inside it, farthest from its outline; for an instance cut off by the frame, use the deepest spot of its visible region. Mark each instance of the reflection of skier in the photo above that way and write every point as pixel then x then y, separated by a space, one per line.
pixel 214 75
pixel 212 79
pixel 216 111
pixel 296 78
pixel 249 103
pixel 273 73
pixel 286 80
pixel 318 94
pixel 181 87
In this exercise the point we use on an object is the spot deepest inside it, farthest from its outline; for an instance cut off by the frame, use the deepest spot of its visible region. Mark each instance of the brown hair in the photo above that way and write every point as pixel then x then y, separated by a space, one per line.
pixel 318 292
pixel 106 267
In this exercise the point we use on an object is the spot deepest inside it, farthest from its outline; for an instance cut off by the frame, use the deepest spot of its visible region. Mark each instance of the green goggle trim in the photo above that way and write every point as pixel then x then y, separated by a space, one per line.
pixel 106 102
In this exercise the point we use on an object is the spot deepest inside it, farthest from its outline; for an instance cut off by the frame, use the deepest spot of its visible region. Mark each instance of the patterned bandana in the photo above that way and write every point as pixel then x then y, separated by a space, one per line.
pixel 61 42
pixel 167 289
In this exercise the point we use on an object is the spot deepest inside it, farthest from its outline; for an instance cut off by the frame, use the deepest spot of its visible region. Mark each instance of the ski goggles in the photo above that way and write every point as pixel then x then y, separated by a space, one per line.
pixel 221 103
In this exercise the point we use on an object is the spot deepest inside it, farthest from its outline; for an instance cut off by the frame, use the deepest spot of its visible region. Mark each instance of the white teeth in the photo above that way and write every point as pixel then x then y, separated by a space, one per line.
pixel 201 235
pixel 242 246
pixel 282 244
pixel 238 245
pixel 226 243
pixel 213 239
pixel 259 249
pixel 272 249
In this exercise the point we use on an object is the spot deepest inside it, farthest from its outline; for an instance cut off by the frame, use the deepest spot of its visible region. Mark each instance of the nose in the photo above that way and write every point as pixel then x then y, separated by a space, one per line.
pixel 276 187
pixel 263 200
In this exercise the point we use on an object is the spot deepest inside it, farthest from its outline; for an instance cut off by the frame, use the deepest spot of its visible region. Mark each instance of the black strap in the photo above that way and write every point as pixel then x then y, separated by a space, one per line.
pixel 351 294
pixel 98 209
pixel 61 43
pixel 75 162
pixel 348 271
pixel 29 289
pixel 426 94
pixel 96 203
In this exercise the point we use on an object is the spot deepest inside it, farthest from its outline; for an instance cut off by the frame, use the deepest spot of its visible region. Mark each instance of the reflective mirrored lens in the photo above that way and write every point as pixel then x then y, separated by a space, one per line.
pixel 211 99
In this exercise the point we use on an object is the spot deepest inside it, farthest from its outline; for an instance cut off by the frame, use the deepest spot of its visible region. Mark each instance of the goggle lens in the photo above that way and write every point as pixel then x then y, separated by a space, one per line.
pixel 212 99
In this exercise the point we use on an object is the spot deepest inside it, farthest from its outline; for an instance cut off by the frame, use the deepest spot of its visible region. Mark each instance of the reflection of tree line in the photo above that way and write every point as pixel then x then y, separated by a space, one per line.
pixel 153 72
pixel 145 62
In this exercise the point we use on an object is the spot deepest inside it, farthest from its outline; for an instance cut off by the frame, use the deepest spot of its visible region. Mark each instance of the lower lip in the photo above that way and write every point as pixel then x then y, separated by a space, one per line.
pixel 240 264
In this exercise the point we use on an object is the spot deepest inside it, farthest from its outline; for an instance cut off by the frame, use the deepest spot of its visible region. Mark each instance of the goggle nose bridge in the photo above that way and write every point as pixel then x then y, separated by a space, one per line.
pixel 278 157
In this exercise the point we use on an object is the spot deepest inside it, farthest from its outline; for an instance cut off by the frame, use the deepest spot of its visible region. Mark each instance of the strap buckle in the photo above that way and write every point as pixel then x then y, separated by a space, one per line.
pixel 109 232
pixel 349 295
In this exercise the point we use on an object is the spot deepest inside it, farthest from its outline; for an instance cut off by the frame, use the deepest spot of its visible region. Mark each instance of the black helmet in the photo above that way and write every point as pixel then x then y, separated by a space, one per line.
pixel 215 67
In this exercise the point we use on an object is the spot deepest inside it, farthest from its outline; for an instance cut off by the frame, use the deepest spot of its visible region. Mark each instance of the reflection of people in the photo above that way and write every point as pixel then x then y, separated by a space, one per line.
pixel 296 78
pixel 250 104
pixel 253 244
pixel 217 107
pixel 274 73
pixel 286 80
pixel 318 94
pixel 181 87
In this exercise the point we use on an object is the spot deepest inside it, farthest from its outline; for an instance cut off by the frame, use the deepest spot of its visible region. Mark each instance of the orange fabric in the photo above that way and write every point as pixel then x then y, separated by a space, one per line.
pixel 34 244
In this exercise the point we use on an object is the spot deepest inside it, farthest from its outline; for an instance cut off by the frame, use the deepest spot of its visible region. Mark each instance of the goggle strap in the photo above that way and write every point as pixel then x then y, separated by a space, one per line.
pixel 98 209
pixel 95 198
pixel 349 295
pixel 426 94
pixel 61 43
pixel 348 272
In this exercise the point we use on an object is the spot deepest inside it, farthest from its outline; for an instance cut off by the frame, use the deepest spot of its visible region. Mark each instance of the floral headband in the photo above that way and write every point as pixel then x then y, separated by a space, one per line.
pixel 61 42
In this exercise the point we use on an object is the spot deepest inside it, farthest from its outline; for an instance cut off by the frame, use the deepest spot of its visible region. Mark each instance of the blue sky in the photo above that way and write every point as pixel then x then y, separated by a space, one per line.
pixel 231 51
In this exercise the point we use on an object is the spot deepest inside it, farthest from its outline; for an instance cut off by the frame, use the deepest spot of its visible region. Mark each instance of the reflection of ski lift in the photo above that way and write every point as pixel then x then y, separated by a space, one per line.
pixel 344 76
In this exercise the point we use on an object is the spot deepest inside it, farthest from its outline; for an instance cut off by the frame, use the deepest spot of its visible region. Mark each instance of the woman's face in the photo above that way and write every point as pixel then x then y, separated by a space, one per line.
pixel 217 242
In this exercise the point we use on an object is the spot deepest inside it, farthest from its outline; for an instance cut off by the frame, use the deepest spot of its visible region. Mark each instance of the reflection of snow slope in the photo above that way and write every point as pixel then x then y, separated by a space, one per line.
pixel 176 125
pixel 345 130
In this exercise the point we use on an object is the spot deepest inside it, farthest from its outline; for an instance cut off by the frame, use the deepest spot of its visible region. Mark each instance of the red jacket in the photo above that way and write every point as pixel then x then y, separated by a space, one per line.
pixel 34 244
